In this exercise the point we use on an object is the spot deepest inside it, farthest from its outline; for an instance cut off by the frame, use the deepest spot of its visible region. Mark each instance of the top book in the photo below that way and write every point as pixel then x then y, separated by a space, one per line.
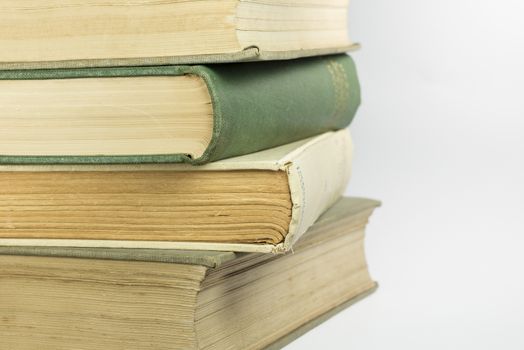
pixel 98 33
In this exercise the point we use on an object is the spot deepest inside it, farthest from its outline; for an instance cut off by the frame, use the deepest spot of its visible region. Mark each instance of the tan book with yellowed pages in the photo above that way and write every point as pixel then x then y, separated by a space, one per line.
pixel 261 202
pixel 108 33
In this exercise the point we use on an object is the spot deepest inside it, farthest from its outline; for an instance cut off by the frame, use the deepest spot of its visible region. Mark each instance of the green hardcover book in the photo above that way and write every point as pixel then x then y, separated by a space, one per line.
pixel 193 114
pixel 93 299
pixel 89 33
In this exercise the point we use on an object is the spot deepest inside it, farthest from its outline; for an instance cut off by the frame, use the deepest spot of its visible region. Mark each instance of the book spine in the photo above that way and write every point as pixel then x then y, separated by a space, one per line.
pixel 267 104
pixel 318 176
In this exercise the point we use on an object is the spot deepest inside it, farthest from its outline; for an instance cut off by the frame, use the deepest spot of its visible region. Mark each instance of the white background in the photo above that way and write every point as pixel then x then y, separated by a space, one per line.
pixel 440 140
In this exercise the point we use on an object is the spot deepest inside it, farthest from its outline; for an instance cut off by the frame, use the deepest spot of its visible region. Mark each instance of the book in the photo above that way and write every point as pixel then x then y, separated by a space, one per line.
pixel 261 202
pixel 73 33
pixel 193 114
pixel 63 298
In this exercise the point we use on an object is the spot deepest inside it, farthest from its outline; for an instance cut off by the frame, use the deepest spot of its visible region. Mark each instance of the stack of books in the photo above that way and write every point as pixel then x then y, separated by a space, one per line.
pixel 171 173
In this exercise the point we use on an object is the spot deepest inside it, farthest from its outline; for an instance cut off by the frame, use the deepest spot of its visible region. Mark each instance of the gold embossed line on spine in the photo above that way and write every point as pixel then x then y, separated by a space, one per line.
pixel 340 86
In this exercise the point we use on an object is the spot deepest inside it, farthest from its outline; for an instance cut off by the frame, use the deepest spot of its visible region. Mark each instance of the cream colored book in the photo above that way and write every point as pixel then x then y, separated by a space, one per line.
pixel 101 298
pixel 262 202
pixel 87 33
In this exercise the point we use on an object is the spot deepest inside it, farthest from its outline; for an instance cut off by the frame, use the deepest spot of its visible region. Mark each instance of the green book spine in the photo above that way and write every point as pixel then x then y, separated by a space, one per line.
pixel 256 105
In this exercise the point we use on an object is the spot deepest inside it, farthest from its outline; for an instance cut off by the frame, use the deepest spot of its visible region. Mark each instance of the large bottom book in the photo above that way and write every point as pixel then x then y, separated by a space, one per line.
pixel 107 298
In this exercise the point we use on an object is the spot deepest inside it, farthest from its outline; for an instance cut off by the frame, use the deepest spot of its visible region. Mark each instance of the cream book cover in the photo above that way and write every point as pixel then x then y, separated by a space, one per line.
pixel 315 172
